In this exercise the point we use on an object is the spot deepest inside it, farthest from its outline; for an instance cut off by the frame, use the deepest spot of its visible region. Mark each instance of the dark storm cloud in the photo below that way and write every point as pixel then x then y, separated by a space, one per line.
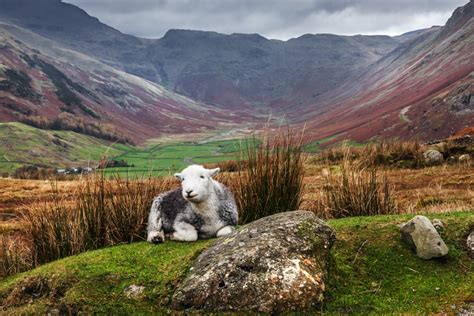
pixel 273 19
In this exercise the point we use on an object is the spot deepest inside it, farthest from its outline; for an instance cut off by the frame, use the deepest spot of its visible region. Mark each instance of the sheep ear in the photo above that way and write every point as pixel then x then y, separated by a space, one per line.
pixel 213 172
pixel 178 176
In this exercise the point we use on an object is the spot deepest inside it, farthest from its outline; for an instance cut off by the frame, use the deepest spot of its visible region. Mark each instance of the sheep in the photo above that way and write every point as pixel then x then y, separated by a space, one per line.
pixel 201 208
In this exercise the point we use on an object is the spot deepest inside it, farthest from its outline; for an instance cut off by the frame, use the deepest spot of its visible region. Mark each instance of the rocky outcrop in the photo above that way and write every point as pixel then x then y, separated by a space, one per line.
pixel 423 237
pixel 275 264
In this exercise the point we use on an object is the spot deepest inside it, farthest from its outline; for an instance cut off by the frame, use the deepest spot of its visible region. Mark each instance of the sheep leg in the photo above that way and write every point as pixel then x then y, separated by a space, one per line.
pixel 226 230
pixel 184 232
pixel 156 236
pixel 155 231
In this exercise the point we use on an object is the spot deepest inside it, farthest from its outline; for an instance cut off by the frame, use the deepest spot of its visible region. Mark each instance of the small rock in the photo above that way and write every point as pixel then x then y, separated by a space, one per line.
pixel 438 224
pixel 134 291
pixel 464 158
pixel 273 265
pixel 467 309
pixel 433 157
pixel 470 244
pixel 423 237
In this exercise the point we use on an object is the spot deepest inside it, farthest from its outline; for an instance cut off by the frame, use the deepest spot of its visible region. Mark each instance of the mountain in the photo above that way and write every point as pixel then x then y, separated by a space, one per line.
pixel 418 84
pixel 46 85
pixel 236 69
pixel 422 89
pixel 224 70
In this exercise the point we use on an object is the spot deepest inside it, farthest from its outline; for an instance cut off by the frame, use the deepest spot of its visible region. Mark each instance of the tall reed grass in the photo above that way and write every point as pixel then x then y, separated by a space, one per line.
pixel 270 179
pixel 104 212
pixel 355 191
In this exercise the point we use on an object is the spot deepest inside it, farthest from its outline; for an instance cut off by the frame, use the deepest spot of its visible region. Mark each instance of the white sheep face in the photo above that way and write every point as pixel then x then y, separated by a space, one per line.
pixel 196 182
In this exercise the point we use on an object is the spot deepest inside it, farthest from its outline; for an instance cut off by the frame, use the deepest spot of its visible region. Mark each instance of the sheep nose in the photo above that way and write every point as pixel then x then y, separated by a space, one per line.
pixel 188 192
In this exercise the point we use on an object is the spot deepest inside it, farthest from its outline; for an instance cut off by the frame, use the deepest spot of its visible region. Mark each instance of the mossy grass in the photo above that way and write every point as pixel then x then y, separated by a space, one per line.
pixel 95 281
pixel 371 272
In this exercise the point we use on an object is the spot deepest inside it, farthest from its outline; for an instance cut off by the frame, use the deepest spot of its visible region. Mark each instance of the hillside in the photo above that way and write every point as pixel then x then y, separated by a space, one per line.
pixel 388 279
pixel 40 78
pixel 21 144
pixel 422 89
pixel 226 70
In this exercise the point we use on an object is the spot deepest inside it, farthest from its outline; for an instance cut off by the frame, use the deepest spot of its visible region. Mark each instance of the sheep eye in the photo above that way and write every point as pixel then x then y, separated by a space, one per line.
pixel 202 177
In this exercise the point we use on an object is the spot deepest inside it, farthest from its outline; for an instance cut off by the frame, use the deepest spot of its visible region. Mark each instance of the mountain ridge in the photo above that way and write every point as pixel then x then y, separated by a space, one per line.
pixel 323 80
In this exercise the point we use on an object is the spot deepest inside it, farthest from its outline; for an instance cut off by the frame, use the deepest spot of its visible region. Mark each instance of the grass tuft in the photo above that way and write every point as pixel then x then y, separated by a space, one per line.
pixel 355 191
pixel 271 177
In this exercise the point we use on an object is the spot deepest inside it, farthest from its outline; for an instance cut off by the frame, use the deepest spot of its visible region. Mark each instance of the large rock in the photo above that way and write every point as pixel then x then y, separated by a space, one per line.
pixel 278 263
pixel 422 236
pixel 433 157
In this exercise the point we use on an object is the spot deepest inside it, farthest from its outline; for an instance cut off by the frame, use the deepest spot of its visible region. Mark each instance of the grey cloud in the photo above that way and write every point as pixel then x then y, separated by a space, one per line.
pixel 274 19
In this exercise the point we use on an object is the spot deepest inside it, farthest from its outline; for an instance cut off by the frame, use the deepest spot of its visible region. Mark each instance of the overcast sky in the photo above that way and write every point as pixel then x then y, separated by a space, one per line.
pixel 278 19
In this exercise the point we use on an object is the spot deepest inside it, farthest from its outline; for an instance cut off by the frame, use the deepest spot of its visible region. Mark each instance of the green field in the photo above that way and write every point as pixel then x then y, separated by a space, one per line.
pixel 21 145
pixel 163 159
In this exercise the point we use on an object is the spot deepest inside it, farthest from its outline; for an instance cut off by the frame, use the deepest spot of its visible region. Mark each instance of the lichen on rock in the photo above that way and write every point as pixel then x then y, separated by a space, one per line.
pixel 275 264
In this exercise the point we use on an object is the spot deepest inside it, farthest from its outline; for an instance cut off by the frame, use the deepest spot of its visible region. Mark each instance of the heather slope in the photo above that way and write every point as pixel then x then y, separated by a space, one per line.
pixel 227 70
pixel 422 89
pixel 416 85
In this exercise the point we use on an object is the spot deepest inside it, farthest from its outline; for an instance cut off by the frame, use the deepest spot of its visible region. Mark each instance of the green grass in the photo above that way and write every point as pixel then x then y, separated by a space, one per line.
pixel 94 282
pixel 351 143
pixel 375 273
pixel 372 272
pixel 315 146
pixel 164 159
pixel 22 144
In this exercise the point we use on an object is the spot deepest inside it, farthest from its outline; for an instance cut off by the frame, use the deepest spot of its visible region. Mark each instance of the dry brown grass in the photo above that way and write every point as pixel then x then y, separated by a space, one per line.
pixel 450 188
pixel 391 153
pixel 353 190
pixel 98 212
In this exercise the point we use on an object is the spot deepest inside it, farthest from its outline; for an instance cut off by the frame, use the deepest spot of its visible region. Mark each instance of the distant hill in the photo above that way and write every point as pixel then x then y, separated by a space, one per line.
pixel 225 70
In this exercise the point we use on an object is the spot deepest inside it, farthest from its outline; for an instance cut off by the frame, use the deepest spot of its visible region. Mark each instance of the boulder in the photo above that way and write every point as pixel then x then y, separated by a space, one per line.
pixel 433 157
pixel 423 237
pixel 275 264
